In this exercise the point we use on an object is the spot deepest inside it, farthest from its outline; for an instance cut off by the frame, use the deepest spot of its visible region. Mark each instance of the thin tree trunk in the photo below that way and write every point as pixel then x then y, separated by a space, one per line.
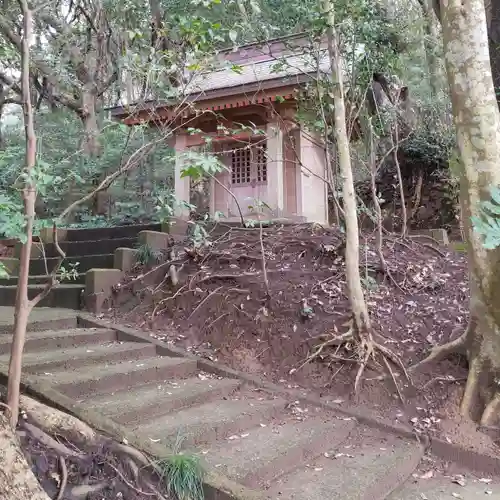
pixel 2 140
pixel 22 308
pixel 356 296
pixel 372 162
pixel 395 146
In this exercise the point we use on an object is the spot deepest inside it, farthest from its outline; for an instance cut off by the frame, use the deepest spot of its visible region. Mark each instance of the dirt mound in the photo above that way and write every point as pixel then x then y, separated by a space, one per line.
pixel 223 310
pixel 222 301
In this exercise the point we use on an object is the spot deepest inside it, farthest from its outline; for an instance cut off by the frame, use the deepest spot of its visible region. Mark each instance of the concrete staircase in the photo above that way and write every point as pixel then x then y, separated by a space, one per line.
pixel 276 447
pixel 89 248
pixel 266 446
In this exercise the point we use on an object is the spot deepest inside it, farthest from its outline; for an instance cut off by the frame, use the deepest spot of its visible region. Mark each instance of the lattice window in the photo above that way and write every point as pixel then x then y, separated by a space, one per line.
pixel 261 162
pixel 241 166
pixel 249 165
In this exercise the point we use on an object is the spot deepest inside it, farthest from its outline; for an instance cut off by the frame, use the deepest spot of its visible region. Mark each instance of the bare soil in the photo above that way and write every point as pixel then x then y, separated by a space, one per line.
pixel 221 310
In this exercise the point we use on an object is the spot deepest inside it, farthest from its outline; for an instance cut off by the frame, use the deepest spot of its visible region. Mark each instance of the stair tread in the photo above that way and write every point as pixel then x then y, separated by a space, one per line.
pixel 127 230
pixel 74 257
pixel 39 276
pixel 442 488
pixel 69 353
pixel 191 422
pixel 373 465
pixel 270 451
pixel 41 286
pixel 40 314
pixel 54 334
pixel 156 394
pixel 101 370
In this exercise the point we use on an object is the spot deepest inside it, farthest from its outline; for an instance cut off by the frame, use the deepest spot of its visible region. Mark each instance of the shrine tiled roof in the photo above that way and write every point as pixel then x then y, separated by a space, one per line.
pixel 287 69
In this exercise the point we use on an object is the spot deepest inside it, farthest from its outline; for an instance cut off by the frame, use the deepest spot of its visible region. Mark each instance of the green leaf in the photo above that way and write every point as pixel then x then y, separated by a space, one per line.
pixel 3 271
pixel 237 69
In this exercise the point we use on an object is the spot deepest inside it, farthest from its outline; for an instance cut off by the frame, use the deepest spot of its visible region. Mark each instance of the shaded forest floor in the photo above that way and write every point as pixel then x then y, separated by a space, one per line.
pixel 220 309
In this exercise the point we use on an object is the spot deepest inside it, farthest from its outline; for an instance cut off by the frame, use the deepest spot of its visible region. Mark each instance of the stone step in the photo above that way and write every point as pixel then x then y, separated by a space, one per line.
pixel 100 379
pixel 87 247
pixel 42 279
pixel 40 319
pixel 372 466
pixel 107 233
pixel 208 423
pixel 50 340
pixel 83 263
pixel 440 487
pixel 61 296
pixel 131 407
pixel 267 453
pixel 77 357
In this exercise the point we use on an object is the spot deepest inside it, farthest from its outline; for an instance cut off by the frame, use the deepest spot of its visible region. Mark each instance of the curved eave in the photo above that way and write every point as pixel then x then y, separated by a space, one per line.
pixel 214 100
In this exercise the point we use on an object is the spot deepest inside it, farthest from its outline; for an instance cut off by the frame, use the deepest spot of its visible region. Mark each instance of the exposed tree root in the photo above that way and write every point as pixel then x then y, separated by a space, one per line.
pixel 206 299
pixel 64 478
pixel 48 441
pixel 443 379
pixel 441 352
pixel 134 454
pixel 365 350
pixel 132 468
pixel 129 484
pixel 389 369
pixel 492 411
pixel 83 491
pixel 229 276
pixel 471 386
pixel 53 421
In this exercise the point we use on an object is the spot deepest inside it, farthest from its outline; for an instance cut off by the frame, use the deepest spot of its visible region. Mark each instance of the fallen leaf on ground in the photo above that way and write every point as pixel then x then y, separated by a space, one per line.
pixel 459 479
pixel 427 475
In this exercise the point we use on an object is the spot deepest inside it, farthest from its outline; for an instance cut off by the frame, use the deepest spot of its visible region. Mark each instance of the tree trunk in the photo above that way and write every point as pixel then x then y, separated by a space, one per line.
pixel 431 43
pixel 477 121
pixel 493 19
pixel 356 296
pixel 90 142
pixel 23 306
pixel 2 140
pixel 17 480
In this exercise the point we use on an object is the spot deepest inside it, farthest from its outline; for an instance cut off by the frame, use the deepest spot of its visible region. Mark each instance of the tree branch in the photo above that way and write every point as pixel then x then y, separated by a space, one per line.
pixel 7 31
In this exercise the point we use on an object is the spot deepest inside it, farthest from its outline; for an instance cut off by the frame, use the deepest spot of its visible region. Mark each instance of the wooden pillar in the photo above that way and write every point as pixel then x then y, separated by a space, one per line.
pixel 275 177
pixel 314 195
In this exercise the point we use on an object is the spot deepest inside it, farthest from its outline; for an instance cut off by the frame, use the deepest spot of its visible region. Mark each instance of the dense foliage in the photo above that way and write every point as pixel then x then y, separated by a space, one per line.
pixel 103 54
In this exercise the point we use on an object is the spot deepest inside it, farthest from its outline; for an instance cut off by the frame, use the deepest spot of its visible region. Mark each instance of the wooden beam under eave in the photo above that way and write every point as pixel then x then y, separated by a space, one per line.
pixel 262 102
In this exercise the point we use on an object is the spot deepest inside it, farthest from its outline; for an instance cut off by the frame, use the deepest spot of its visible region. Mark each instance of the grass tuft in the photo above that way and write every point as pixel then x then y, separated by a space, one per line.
pixel 183 476
pixel 146 256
